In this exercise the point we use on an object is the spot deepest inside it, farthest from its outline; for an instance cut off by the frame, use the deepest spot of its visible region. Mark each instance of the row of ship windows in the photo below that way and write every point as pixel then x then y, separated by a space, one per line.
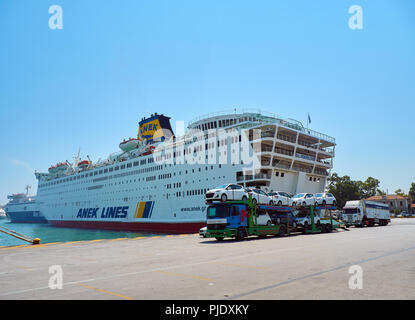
pixel 144 170
pixel 168 186
pixel 196 192
pixel 107 170
pixel 223 123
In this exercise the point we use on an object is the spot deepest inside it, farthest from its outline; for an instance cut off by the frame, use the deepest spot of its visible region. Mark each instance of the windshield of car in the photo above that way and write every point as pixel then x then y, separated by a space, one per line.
pixel 221 211
pixel 319 194
pixel 223 186
pixel 272 193
pixel 300 195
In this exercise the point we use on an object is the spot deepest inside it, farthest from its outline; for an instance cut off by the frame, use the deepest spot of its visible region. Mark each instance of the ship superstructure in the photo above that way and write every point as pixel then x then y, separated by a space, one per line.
pixel 158 180
pixel 23 208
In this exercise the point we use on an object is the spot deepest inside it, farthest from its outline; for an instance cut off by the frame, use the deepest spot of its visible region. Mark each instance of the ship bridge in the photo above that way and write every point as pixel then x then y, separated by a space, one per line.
pixel 293 158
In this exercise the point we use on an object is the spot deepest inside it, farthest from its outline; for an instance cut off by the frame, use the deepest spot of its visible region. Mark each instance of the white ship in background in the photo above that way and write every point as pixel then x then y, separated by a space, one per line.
pixel 139 189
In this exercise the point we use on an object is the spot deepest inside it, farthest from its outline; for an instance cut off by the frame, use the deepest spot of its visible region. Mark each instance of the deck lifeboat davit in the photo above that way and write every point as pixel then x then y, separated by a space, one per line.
pixel 84 164
pixel 148 150
pixel 128 145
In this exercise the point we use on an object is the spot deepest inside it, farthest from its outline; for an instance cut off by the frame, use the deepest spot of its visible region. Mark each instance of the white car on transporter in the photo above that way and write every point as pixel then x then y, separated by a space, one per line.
pixel 280 198
pixel 325 198
pixel 226 192
pixel 303 200
pixel 259 196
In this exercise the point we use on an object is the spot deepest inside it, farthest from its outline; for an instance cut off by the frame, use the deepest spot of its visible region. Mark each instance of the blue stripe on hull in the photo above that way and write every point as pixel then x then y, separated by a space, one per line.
pixel 26 217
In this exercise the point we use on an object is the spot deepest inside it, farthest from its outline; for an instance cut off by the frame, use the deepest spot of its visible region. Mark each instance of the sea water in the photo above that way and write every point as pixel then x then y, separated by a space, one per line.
pixel 47 233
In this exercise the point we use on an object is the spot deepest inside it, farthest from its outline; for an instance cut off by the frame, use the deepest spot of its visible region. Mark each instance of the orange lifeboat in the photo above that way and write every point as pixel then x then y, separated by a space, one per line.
pixel 84 164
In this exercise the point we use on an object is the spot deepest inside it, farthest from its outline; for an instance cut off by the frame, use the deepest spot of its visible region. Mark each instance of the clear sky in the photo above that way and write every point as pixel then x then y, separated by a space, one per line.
pixel 87 86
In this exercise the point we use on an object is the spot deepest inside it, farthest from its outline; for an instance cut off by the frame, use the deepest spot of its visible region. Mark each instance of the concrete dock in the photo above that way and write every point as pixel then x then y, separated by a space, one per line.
pixel 189 267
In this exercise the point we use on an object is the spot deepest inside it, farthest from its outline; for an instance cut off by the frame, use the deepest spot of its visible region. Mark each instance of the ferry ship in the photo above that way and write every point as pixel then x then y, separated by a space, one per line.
pixel 157 181
pixel 23 208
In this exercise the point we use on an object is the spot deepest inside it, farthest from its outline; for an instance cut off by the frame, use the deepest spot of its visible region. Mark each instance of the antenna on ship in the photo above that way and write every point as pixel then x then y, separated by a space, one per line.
pixel 77 158
pixel 27 189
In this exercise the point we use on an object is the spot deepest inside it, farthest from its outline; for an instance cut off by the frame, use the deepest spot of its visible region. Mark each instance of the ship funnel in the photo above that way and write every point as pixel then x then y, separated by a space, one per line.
pixel 157 127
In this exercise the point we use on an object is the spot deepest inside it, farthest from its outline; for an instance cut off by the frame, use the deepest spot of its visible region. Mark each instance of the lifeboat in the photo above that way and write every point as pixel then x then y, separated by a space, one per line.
pixel 128 145
pixel 52 169
pixel 84 164
pixel 61 167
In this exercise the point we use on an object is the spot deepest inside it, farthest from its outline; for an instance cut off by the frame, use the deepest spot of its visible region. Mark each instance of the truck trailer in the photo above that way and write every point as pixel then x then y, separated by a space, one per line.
pixel 362 213
pixel 241 219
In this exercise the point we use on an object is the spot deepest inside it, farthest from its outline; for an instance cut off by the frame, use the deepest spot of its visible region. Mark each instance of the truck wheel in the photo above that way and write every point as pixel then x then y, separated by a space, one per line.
pixel 324 228
pixel 219 239
pixel 329 228
pixel 224 197
pixel 282 230
pixel 240 235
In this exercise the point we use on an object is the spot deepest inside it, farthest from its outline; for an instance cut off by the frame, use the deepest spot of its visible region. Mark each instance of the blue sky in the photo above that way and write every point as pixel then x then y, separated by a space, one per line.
pixel 87 86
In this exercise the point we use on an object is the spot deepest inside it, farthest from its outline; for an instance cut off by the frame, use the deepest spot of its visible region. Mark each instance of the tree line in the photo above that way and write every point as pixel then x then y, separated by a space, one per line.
pixel 345 189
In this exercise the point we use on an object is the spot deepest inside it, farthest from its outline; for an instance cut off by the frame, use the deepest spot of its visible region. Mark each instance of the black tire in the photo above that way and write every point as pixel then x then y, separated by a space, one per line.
pixel 282 231
pixel 219 239
pixel 271 203
pixel 240 235
pixel 305 228
pixel 316 204
pixel 294 204
pixel 324 228
pixel 244 198
pixel 323 203
pixel 334 204
pixel 224 197
pixel 269 223
pixel 329 228
pixel 279 203
pixel 304 204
